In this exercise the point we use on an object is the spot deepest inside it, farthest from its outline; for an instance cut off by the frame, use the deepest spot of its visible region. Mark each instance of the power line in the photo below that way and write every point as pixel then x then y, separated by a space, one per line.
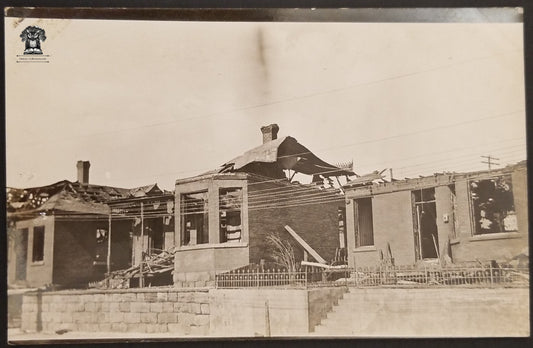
pixel 452 162
pixel 522 147
pixel 282 101
pixel 378 139
pixel 490 161
pixel 397 159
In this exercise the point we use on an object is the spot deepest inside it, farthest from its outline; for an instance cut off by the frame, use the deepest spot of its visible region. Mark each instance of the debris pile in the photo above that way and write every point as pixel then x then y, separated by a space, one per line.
pixel 152 266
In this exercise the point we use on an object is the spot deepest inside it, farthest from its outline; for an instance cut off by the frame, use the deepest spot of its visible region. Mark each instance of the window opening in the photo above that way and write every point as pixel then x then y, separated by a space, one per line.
pixel 38 244
pixel 21 245
pixel 493 205
pixel 426 232
pixel 230 208
pixel 100 256
pixel 194 218
pixel 364 234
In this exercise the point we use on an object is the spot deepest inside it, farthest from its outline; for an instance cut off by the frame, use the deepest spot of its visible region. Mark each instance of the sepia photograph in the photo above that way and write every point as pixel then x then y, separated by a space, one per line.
pixel 295 173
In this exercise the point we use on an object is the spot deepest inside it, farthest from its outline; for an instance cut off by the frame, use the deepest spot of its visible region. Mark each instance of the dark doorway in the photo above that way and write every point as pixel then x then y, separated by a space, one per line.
pixel 156 236
pixel 21 245
pixel 425 223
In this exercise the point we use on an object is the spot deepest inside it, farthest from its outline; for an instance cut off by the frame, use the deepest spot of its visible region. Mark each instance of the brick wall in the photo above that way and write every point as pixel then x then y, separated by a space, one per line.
pixel 142 310
pixel 74 252
pixel 317 223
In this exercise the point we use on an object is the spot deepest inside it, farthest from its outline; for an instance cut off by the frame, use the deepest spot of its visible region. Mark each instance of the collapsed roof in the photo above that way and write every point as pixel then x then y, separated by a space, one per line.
pixel 272 157
pixel 71 197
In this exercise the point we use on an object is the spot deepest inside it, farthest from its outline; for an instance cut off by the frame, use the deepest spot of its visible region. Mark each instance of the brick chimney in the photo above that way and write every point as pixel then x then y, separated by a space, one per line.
pixel 270 132
pixel 83 172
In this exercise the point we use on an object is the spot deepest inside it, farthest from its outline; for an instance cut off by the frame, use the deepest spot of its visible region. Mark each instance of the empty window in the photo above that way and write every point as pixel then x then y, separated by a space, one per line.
pixel 364 232
pixel 101 246
pixel 21 249
pixel 194 218
pixel 493 205
pixel 230 208
pixel 38 244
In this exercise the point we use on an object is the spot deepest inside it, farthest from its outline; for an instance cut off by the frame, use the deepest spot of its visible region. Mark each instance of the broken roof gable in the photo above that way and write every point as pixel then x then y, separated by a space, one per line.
pixel 147 190
pixel 288 154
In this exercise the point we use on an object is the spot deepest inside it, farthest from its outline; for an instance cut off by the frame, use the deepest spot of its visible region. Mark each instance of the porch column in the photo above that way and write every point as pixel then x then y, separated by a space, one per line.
pixel 350 230
pixel 214 235
pixel 109 245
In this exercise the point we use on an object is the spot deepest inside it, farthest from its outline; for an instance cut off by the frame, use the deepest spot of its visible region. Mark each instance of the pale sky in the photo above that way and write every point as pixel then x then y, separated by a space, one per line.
pixel 149 101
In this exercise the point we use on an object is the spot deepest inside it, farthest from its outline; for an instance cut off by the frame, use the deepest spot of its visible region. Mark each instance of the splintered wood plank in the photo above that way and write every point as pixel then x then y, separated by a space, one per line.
pixel 306 246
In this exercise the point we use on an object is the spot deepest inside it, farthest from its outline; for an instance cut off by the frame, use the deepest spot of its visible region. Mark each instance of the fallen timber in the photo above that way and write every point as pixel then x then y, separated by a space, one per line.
pixel 151 266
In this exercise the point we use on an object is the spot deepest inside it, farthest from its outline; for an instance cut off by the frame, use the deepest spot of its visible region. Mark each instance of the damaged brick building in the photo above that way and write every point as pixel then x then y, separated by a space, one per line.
pixel 475 216
pixel 59 234
pixel 73 233
pixel 223 217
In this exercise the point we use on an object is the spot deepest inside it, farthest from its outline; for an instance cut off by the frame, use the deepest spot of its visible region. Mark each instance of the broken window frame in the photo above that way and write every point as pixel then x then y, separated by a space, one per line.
pixel 100 250
pixel 189 208
pixel 488 217
pixel 230 213
pixel 37 255
pixel 368 241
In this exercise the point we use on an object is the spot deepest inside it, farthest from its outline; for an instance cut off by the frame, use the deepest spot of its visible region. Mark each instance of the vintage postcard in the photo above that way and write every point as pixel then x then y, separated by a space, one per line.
pixel 185 174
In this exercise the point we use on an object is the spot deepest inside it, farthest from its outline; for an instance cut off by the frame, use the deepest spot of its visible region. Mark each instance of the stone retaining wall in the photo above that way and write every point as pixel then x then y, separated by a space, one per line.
pixel 180 311
pixel 270 312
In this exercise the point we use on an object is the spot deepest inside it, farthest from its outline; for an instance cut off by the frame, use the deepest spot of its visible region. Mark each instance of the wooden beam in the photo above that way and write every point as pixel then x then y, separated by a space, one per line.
pixel 305 245
pixel 109 247
pixel 340 185
pixel 314 264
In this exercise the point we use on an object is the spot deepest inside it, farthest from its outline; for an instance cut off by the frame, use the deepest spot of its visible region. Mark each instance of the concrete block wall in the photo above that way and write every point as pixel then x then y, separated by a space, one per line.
pixel 183 311
pixel 14 309
pixel 443 312
pixel 269 312
pixel 196 312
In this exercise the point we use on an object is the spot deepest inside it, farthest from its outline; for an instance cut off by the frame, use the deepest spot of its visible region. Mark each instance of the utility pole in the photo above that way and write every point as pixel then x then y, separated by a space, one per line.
pixel 141 276
pixel 490 161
